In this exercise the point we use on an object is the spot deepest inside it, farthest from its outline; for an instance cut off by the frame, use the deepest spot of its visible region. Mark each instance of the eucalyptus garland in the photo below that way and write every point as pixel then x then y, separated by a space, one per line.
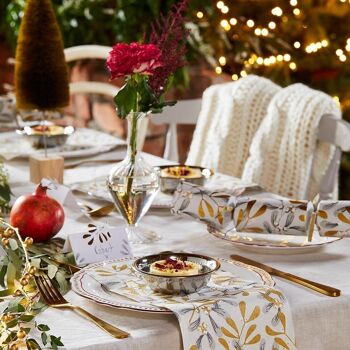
pixel 20 301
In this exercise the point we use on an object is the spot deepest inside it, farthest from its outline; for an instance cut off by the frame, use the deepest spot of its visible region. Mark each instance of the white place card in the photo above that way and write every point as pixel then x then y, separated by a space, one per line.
pixel 98 243
pixel 61 193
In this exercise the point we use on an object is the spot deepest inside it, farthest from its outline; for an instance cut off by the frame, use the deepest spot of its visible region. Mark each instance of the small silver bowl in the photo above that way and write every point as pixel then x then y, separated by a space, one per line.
pixel 52 140
pixel 169 182
pixel 177 284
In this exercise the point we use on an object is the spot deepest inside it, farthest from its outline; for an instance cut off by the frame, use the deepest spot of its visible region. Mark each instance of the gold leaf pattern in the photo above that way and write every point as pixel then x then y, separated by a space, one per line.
pixel 322 214
pixel 240 217
pixel 209 208
pixel 255 340
pixel 232 323
pixel 201 212
pixel 343 218
pixel 260 211
pixel 281 342
pixel 250 330
pixel 282 317
pixel 242 307
pixel 271 332
pixel 224 343
pixel 255 314
pixel 227 333
pixel 330 233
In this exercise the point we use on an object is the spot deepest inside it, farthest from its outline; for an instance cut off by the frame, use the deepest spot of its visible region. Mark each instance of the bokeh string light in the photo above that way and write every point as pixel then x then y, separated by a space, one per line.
pixel 231 22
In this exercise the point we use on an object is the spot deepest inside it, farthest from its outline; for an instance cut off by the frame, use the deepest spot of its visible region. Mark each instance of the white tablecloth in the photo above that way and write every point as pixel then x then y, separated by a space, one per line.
pixel 321 322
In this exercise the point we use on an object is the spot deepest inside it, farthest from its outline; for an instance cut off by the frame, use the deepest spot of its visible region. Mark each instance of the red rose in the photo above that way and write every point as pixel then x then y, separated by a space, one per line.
pixel 125 59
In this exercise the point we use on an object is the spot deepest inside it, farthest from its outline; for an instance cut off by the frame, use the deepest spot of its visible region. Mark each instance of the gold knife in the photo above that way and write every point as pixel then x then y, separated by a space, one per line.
pixel 318 287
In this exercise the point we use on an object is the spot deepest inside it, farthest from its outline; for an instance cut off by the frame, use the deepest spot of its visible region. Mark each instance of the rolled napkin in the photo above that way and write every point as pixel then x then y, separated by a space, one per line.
pixel 269 215
pixel 209 206
pixel 333 218
pixel 230 313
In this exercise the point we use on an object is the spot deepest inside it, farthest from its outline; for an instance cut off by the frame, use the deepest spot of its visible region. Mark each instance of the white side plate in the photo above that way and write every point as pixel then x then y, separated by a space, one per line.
pixel 272 243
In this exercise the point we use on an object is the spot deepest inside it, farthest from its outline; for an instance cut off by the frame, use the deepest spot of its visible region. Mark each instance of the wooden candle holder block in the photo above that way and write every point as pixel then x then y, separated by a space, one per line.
pixel 46 167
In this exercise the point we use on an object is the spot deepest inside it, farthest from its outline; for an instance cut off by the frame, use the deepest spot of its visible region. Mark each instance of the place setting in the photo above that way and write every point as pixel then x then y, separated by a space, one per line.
pixel 134 214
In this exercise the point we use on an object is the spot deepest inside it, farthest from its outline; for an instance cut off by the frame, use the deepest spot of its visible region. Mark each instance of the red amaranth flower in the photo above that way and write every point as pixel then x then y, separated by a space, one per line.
pixel 126 59
pixel 169 34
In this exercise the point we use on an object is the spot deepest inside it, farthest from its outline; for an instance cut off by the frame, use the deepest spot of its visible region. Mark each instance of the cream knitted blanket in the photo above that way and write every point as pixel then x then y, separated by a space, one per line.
pixel 285 156
pixel 230 115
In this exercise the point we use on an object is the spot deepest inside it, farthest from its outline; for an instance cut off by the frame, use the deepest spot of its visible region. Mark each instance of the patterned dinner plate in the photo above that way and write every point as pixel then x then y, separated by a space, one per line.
pixel 86 282
pixel 273 243
pixel 97 188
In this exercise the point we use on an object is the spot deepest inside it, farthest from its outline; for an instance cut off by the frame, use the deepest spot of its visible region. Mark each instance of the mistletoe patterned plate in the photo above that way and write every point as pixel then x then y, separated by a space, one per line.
pixel 273 243
pixel 124 283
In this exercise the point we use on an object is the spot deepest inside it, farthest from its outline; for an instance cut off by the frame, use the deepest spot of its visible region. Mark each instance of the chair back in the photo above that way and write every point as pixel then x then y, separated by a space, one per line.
pixel 92 87
pixel 184 112
pixel 330 130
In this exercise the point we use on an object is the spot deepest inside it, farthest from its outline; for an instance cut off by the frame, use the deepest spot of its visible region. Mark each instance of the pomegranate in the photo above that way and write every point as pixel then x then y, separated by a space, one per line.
pixel 37 215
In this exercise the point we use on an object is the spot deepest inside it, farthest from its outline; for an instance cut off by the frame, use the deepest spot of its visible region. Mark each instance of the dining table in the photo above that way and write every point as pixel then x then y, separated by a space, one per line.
pixel 321 322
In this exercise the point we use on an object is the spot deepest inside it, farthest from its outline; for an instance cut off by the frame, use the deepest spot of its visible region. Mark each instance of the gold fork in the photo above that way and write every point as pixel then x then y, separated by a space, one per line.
pixel 54 298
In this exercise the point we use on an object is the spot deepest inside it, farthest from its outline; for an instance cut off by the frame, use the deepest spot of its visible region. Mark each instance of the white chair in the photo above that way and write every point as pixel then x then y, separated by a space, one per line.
pixel 331 130
pixel 93 87
pixel 184 112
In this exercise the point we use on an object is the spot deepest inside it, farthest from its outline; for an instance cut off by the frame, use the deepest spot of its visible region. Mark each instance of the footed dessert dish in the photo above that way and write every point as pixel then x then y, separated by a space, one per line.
pixel 49 134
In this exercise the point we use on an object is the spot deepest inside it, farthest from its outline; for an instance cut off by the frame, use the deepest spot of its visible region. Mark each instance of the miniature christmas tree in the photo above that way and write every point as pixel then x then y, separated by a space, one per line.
pixel 41 76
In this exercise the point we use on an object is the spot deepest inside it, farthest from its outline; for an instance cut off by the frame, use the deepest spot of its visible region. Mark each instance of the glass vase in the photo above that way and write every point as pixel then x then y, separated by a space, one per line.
pixel 133 185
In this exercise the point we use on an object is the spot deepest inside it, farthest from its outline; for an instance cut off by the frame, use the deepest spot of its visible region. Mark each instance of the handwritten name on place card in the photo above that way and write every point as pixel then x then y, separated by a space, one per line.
pixel 98 243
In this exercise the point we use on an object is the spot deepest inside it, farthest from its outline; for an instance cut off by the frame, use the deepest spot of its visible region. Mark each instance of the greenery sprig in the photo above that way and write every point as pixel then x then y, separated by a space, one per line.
pixel 5 190
pixel 21 262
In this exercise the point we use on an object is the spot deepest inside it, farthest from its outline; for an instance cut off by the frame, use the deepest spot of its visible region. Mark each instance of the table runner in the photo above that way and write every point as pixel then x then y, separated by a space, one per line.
pixel 229 313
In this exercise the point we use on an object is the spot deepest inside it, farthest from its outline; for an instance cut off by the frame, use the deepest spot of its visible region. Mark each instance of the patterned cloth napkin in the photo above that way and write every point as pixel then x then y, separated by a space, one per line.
pixel 209 206
pixel 230 313
pixel 225 211
pixel 333 218
pixel 268 215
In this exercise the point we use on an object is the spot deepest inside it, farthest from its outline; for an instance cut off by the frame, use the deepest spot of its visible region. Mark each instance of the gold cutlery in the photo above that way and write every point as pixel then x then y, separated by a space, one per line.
pixel 54 298
pixel 318 287
pixel 75 165
pixel 102 211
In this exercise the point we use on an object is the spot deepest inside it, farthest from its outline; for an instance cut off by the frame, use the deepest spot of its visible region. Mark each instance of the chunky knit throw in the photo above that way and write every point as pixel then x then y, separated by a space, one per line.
pixel 230 115
pixel 285 156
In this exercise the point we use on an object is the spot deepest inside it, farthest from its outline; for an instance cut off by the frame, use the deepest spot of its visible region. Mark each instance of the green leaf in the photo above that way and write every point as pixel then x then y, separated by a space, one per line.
pixel 126 100
pixel 56 340
pixel 13 244
pixel 51 271
pixel 26 317
pixel 11 275
pixel 20 308
pixel 61 279
pixel 2 275
pixel 5 192
pixel 12 323
pixel 44 338
pixel 32 344
pixel 35 262
pixel 43 328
